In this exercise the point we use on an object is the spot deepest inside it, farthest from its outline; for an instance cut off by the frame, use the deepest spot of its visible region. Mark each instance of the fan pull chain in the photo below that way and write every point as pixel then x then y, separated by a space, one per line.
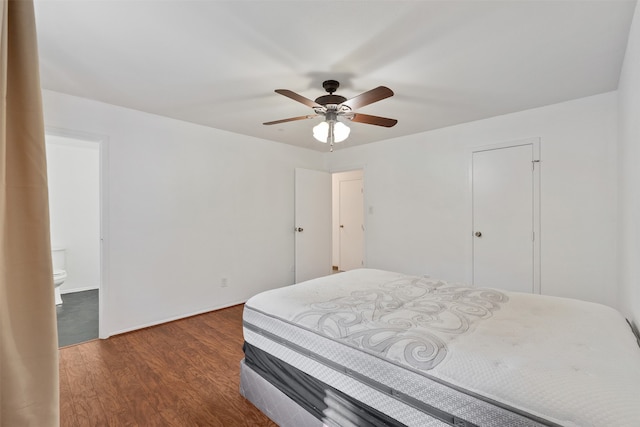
pixel 331 136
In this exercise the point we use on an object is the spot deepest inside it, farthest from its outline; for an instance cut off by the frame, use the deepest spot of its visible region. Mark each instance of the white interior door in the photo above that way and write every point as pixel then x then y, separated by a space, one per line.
pixel 312 224
pixel 504 218
pixel 351 218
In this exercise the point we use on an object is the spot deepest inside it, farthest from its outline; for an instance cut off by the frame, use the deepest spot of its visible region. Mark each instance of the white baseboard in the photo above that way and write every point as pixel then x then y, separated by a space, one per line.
pixel 171 319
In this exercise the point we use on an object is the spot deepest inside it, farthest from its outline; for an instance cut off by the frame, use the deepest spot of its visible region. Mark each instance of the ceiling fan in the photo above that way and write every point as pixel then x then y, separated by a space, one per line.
pixel 332 107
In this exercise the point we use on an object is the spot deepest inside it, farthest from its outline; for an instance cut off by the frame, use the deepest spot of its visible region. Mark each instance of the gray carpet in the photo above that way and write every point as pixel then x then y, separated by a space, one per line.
pixel 77 317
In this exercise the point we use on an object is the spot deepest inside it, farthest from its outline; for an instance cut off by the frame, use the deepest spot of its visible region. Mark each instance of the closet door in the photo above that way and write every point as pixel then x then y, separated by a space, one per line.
pixel 505 218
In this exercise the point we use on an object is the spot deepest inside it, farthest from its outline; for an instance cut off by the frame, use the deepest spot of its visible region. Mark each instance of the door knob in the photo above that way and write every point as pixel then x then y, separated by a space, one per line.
pixel 341 226
pixel 299 229
pixel 478 234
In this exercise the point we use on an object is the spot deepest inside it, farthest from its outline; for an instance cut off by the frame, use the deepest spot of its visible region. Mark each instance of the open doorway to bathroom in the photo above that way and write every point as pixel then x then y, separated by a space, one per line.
pixel 73 169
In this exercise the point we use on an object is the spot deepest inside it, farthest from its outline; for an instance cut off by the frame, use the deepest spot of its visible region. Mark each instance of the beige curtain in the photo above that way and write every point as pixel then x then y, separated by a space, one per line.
pixel 28 336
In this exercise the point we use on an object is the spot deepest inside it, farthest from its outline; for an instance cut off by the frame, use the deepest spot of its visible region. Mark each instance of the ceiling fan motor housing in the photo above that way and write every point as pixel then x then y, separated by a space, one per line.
pixel 330 99
pixel 330 86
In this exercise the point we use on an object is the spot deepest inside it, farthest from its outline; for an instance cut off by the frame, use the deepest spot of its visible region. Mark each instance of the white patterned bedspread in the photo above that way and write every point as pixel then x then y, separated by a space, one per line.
pixel 570 362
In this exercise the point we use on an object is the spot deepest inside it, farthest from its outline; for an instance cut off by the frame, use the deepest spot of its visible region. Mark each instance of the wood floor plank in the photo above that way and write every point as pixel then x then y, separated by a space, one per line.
pixel 193 394
pixel 103 376
pixel 67 411
pixel 183 373
pixel 160 388
pixel 82 394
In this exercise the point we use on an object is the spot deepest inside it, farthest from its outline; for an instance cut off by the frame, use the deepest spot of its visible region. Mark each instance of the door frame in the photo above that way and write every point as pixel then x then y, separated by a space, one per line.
pixel 103 150
pixel 363 168
pixel 536 163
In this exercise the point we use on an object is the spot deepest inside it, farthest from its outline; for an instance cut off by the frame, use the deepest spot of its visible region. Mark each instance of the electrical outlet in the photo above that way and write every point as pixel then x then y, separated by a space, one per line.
pixel 224 282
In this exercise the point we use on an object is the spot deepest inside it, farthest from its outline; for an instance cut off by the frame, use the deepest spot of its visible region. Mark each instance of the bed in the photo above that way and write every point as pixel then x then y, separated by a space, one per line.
pixel 376 348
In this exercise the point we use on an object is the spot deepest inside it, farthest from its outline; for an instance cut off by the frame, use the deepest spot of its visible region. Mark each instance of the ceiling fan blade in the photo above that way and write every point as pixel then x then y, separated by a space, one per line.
pixel 369 97
pixel 374 120
pixel 296 97
pixel 292 119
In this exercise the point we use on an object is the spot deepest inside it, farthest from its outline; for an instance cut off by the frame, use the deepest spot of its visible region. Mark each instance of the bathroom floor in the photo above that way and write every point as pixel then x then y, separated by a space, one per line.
pixel 77 317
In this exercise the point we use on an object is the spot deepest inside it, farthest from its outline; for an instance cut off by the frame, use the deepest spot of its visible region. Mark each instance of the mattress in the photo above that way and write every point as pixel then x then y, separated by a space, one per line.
pixel 427 353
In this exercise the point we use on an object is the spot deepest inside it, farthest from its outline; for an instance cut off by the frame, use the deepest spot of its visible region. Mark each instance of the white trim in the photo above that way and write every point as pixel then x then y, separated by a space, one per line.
pixel 535 141
pixel 537 210
pixel 348 168
pixel 103 292
pixel 536 158
pixel 182 316
pixel 103 286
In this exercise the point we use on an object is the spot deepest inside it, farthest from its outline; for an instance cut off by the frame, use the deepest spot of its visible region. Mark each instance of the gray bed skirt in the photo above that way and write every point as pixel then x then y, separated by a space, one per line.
pixel 272 402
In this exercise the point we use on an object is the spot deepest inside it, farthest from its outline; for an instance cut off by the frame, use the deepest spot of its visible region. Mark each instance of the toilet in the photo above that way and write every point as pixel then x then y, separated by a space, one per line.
pixel 59 272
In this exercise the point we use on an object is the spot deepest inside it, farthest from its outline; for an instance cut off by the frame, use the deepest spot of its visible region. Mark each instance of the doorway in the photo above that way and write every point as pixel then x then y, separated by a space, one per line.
pixel 323 202
pixel 312 228
pixel 348 229
pixel 505 216
pixel 73 172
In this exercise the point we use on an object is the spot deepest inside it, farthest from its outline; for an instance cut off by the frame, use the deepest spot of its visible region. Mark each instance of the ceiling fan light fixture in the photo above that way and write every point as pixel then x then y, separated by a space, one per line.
pixel 340 131
pixel 321 131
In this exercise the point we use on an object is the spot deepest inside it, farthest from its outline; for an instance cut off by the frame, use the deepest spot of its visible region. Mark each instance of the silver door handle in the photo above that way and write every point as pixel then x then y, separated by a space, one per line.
pixel 299 229
pixel 478 234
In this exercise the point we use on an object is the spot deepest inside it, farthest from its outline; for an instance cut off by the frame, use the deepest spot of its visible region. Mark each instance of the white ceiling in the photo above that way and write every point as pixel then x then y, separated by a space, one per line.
pixel 217 63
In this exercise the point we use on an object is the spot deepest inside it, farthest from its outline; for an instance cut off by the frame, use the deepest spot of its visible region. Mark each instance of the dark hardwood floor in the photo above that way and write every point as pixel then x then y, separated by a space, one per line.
pixel 183 373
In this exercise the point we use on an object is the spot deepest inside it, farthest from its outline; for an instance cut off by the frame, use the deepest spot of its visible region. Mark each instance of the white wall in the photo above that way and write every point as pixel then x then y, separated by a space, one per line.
pixel 187 206
pixel 74 190
pixel 629 176
pixel 418 188
pixel 335 209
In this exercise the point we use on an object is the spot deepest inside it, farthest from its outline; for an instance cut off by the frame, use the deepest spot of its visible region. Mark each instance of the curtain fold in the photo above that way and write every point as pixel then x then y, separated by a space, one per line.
pixel 29 390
